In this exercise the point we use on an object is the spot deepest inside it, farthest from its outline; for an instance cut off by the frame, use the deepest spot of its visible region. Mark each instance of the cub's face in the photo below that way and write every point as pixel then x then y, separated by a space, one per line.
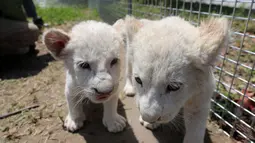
pixel 163 83
pixel 91 53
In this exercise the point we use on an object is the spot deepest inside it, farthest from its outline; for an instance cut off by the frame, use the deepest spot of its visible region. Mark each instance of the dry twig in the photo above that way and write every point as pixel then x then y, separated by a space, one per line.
pixel 18 112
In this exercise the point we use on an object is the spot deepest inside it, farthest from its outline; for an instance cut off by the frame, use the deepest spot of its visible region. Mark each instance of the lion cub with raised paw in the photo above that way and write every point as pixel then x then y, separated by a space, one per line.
pixel 172 69
pixel 91 55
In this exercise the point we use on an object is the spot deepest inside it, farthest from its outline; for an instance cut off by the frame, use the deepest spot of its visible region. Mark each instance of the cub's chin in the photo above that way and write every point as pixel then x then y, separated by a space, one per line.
pixel 163 121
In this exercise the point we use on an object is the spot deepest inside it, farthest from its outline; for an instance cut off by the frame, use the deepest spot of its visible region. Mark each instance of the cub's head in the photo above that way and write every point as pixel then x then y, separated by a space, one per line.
pixel 171 60
pixel 91 54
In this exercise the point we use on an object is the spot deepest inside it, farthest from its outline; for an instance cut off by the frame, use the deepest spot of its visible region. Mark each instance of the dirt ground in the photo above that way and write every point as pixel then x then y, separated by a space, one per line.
pixel 39 80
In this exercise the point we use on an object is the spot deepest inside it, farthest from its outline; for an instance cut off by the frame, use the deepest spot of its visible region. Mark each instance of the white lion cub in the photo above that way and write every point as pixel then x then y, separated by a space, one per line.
pixel 91 55
pixel 172 68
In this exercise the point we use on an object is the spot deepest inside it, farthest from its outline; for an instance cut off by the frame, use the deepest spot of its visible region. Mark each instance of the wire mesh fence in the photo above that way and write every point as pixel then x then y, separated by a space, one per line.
pixel 233 104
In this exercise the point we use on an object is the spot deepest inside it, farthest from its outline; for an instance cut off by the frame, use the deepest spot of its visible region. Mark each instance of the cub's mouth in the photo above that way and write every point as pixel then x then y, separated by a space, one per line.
pixel 102 97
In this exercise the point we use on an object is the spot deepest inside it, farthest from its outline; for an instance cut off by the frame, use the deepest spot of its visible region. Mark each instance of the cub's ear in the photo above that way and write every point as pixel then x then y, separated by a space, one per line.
pixel 133 25
pixel 56 41
pixel 119 26
pixel 214 35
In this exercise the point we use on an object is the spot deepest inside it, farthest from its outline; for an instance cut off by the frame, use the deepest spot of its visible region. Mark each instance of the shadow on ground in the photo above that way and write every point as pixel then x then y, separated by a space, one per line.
pixel 19 66
pixel 95 132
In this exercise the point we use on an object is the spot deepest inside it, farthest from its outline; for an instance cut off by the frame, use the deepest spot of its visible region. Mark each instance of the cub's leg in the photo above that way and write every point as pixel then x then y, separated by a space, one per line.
pixel 76 116
pixel 195 117
pixel 128 89
pixel 111 119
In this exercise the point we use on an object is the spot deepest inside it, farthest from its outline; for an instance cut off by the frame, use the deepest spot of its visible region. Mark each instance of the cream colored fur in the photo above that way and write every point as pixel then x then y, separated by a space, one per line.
pixel 91 55
pixel 170 64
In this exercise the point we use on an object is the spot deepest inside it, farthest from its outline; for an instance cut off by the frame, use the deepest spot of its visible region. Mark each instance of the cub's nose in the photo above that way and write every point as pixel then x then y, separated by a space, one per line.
pixel 103 91
pixel 104 87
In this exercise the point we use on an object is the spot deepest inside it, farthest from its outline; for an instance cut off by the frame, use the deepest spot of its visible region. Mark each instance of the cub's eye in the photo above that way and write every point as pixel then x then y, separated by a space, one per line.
pixel 84 65
pixel 138 80
pixel 114 61
pixel 173 86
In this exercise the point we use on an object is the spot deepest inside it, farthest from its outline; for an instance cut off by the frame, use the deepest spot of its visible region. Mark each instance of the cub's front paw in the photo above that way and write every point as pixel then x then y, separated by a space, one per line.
pixel 114 124
pixel 148 125
pixel 72 125
pixel 129 90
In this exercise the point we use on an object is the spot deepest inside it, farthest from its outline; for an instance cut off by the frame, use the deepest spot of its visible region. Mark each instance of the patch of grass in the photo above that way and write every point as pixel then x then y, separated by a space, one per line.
pixel 63 14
